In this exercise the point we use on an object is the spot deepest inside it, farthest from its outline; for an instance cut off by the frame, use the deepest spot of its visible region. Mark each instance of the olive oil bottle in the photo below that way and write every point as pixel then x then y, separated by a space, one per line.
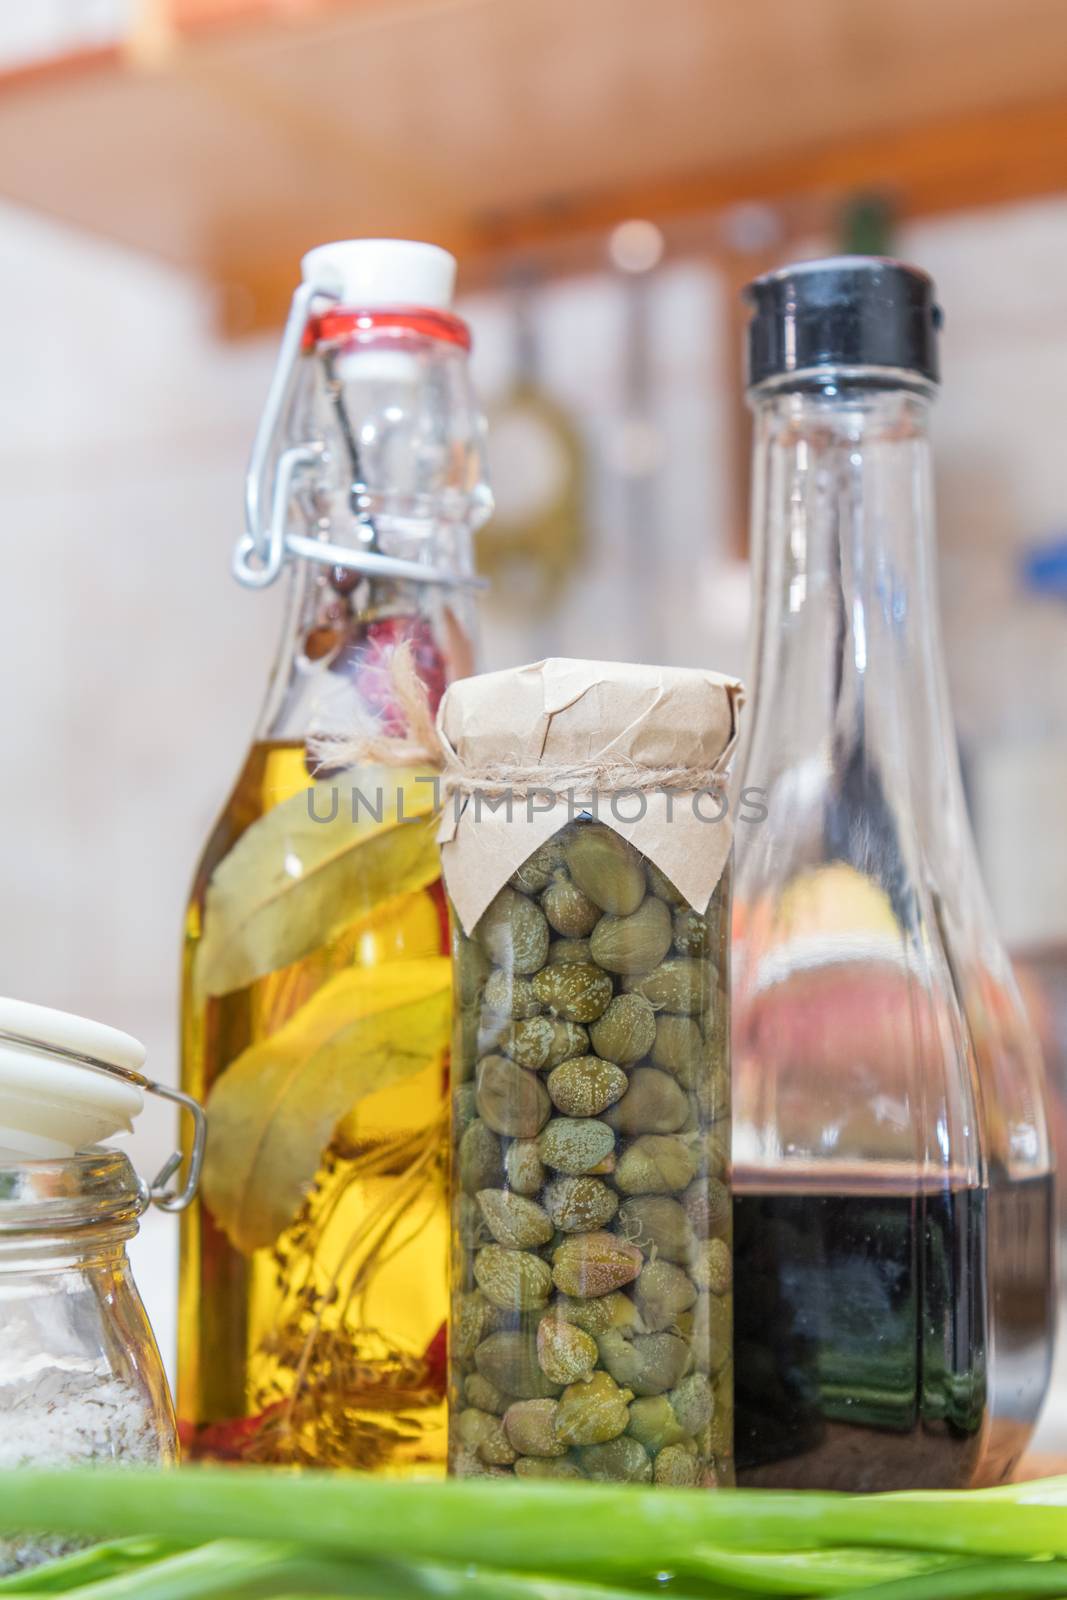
pixel 315 1010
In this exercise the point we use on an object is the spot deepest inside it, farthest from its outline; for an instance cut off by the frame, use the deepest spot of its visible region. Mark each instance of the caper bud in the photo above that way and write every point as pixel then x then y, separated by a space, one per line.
pixel 658 1226
pixel 511 1100
pixel 656 1164
pixel 707 1205
pixel 472 966
pixel 626 1031
pixel 708 1327
pixel 580 1205
pixel 712 1267
pixel 514 933
pixel 679 1048
pixel 566 1354
pixel 663 1292
pixel 530 1426
pixel 649 1363
pixel 652 1420
pixel 606 868
pixel 483 1433
pixel 693 1402
pixel 537 870
pixel 466 1464
pixel 614 1310
pixel 592 1412
pixel 508 995
pixel 483 1395
pixel 691 935
pixel 676 1467
pixel 523 1166
pixel 569 911
pixel 633 944
pixel 544 1042
pixel 572 991
pixel 591 1264
pixel 718 1437
pixel 586 1086
pixel 679 984
pixel 464 1109
pixel 620 1460
pixel 653 1103
pixel 720 1315
pixel 466 1023
pixel 515 1280
pixel 470 1322
pixel 659 884
pixel 575 1145
pixel 492 1028
pixel 547 1467
pixel 712 1095
pixel 514 1221
pixel 470 1224
pixel 509 1360
pixel 479 1161
pixel 565 952
pixel 717 1151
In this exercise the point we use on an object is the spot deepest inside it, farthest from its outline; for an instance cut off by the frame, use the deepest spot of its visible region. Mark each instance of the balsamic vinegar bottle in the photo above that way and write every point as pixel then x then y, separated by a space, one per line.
pixel 316 976
pixel 894 1301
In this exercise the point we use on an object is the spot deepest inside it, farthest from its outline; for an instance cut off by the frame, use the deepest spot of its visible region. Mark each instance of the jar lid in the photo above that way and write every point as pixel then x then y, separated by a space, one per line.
pixel 643 749
pixel 56 1096
pixel 367 273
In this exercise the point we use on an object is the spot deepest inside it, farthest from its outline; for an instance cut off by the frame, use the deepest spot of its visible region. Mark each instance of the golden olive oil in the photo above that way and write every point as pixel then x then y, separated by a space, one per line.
pixel 325 1347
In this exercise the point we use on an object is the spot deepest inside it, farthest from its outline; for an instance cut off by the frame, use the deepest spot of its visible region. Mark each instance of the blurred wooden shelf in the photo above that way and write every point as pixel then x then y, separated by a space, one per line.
pixel 229 135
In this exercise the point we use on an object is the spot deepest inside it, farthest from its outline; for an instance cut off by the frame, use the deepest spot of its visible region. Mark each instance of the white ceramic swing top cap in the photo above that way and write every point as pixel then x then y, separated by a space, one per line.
pixel 371 273
pixel 50 1107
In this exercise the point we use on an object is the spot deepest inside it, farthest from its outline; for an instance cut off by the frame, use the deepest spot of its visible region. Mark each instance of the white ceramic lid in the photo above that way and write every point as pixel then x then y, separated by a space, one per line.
pixel 50 1106
pixel 370 273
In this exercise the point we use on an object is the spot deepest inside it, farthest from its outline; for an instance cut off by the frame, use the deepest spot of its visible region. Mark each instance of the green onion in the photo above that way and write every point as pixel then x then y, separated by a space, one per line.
pixel 986 1580
pixel 86 1566
pixel 562 1525
pixel 269 1532
pixel 820 1572
pixel 229 1567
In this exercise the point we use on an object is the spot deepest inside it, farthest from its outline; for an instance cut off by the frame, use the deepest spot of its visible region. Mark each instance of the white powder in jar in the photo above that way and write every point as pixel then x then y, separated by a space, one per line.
pixel 67 1419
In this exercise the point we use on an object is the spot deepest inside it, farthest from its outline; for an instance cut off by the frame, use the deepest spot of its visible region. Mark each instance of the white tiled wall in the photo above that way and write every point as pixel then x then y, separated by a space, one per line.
pixel 130 665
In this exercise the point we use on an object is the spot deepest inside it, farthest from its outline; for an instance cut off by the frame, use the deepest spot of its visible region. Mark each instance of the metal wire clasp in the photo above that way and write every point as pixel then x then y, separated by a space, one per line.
pixel 159 1190
pixel 266 543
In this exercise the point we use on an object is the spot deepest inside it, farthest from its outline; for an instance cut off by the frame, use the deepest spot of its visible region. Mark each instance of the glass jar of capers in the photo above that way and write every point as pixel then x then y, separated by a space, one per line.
pixel 591 1333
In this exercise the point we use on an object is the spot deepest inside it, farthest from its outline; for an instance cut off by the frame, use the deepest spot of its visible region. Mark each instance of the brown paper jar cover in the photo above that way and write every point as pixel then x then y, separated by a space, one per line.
pixel 529 747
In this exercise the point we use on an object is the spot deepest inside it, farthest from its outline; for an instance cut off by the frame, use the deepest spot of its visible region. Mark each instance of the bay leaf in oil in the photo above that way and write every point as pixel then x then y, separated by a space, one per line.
pixel 272 1113
pixel 301 873
pixel 400 929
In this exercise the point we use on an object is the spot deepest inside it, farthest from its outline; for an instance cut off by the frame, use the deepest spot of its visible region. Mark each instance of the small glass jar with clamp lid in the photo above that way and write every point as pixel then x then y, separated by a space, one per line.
pixel 81 1378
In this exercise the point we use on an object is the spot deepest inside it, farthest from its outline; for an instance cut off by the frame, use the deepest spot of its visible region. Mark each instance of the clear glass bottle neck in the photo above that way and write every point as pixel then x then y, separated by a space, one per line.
pixel 338 636
pixel 389 407
pixel 846 660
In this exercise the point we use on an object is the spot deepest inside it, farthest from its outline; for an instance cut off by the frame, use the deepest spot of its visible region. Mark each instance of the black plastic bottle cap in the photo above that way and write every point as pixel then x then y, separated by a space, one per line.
pixel 845 311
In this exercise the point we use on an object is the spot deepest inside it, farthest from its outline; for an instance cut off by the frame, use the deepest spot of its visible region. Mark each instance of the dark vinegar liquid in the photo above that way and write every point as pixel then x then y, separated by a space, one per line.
pixel 860 1337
